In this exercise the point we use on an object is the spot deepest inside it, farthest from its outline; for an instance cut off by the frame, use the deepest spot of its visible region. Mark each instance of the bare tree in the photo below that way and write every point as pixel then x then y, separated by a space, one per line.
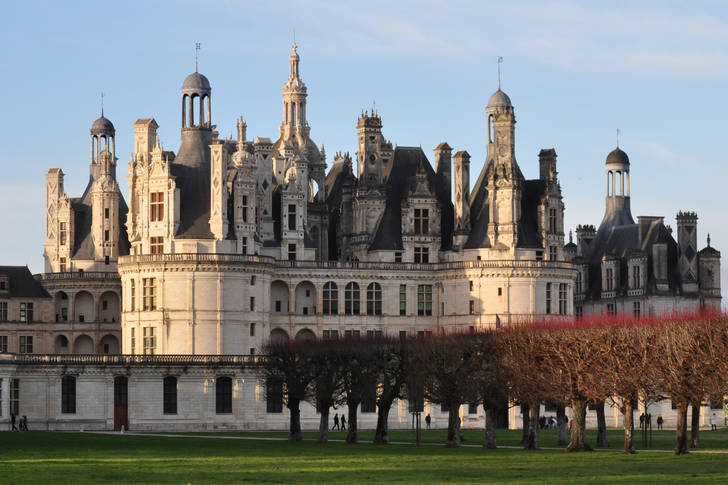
pixel 359 373
pixel 327 385
pixel 390 359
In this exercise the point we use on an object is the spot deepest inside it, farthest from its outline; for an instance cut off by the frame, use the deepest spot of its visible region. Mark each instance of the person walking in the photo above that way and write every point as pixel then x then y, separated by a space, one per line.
pixel 428 420
pixel 713 422
pixel 12 423
pixel 659 421
pixel 343 422
pixel 336 422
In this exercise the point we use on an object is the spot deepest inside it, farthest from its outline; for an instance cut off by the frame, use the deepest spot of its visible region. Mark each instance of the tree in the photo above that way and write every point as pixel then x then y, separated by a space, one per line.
pixel 327 385
pixel 491 379
pixel 358 374
pixel 390 359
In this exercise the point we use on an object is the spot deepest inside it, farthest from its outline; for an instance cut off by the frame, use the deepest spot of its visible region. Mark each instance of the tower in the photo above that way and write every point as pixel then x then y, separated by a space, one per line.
pixel 105 196
pixel 462 197
pixel 369 160
pixel 294 101
pixel 618 211
pixel 103 137
pixel 687 239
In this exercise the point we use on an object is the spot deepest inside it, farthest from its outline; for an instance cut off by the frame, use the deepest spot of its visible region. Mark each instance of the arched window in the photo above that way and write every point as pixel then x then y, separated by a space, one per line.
pixel 351 299
pixel 490 128
pixel 68 395
pixel 223 395
pixel 331 298
pixel 374 299
pixel 170 395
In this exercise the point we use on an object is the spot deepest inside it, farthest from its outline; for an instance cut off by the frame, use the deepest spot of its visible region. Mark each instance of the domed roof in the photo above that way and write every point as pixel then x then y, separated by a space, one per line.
pixel 499 99
pixel 196 81
pixel 102 126
pixel 617 156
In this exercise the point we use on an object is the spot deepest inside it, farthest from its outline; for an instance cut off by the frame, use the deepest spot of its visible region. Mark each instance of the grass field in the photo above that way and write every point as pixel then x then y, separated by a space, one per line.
pixel 41 457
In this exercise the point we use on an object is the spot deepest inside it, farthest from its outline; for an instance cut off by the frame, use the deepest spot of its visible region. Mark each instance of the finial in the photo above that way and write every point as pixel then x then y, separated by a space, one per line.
pixel 500 61
pixel 102 103
pixel 708 239
pixel 197 49
pixel 571 238
pixel 617 137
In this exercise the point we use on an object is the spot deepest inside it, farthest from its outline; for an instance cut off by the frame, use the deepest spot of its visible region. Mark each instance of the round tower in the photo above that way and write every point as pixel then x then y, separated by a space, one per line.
pixel 103 138
pixel 618 211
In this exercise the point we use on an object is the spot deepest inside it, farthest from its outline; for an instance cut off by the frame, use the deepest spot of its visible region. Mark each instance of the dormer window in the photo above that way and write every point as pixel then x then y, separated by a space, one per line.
pixel 610 279
pixel 636 279
pixel 422 223
pixel 62 234
pixel 552 220
pixel 156 206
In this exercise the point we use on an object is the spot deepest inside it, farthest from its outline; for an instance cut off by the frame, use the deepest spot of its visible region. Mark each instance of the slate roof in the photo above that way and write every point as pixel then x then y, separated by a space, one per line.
pixel 21 283
pixel 191 169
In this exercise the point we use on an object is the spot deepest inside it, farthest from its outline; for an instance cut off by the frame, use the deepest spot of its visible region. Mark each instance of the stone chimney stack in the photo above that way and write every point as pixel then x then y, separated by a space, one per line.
pixel 443 163
pixel 462 197
pixel 687 239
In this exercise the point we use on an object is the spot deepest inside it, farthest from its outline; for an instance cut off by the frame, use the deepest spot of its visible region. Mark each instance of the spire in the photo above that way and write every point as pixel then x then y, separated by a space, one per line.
pixel 500 61
pixel 571 238
pixel 102 104
pixel 294 61
pixel 197 49
pixel 708 239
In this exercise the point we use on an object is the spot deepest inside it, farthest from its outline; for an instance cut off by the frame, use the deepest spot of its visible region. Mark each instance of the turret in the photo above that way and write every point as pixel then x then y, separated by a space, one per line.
pixel 369 160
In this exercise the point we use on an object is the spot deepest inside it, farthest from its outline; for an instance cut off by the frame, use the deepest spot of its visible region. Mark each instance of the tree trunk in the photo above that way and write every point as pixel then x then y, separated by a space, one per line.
pixel 453 427
pixel 578 428
pixel 351 432
pixel 602 440
pixel 323 434
pixel 681 435
pixel 561 422
pixel 489 442
pixel 524 414
pixel 628 417
pixel 294 429
pixel 695 426
pixel 534 409
pixel 381 435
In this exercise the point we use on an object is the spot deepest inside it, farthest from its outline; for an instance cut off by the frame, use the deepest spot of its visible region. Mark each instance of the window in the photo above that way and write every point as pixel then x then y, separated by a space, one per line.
pixel 273 396
pixel 278 306
pixel 636 309
pixel 331 298
pixel 500 291
pixel 563 300
pixel 252 329
pixel 62 234
pixel 331 334
pixel 106 235
pixel 133 340
pixel 106 260
pixel 579 312
pixel 245 245
pixel 149 294
pixel 369 398
pixel 104 304
pixel 473 408
pixel 424 300
pixel 352 333
pixel 68 395
pixel 374 299
pixel 578 282
pixel 252 303
pixel 156 206
pixel 132 295
pixel 223 395
pixel 26 312
pixel 403 300
pixel 422 255
pixel 471 285
pixel 3 344
pixel 25 344
pixel 403 334
pixel 548 298
pixel 422 221
pixel 15 396
pixel 150 340
pixel 552 220
pixel 472 307
pixel 106 213
pixel 351 299
pixel 252 280
pixel 291 252
pixel 553 253
pixel 169 395
pixel 156 245
pixel 245 208
pixel 636 277
pixel 62 265
pixel 291 217
pixel 611 309
pixel 3 311
pixel 398 256
pixel 539 255
pixel 610 279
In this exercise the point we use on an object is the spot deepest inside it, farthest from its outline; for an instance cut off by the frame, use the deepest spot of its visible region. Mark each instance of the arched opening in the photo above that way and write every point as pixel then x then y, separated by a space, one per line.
pixel 351 298
pixel 83 345
pixel 619 183
pixel 331 299
pixel 60 345
pixel 84 307
pixel 61 303
pixel 279 297
pixel 305 335
pixel 490 128
pixel 193 102
pixel 278 336
pixel 109 311
pixel 293 114
pixel 305 298
pixel 109 345
pixel 184 111
pixel 374 299
pixel 313 190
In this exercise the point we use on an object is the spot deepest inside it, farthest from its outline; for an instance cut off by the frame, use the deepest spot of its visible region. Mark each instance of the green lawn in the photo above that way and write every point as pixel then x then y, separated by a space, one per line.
pixel 40 457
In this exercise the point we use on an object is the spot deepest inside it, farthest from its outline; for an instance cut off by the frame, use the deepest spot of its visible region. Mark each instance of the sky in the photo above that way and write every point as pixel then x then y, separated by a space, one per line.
pixel 575 72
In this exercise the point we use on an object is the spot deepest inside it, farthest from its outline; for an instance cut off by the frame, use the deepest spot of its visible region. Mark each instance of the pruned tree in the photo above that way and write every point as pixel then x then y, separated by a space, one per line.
pixel 491 379
pixel 358 374
pixel 390 359
pixel 327 385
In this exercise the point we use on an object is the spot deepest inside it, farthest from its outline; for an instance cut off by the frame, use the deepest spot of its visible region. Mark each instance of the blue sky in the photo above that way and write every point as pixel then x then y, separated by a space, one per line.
pixel 575 71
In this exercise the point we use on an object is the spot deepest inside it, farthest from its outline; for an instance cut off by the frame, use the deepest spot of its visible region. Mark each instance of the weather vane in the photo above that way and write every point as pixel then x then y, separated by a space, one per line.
pixel 197 49
pixel 500 61
pixel 102 103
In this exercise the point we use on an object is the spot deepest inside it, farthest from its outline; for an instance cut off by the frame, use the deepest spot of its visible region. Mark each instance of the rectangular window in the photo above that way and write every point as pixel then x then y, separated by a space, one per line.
pixel 3 311
pixel 68 395
pixel 245 245
pixel 62 265
pixel 62 234
pixel 403 334
pixel 26 312
pixel 471 285
pixel 149 292
pixel 133 340
pixel 563 298
pixel 398 256
pixel 223 395
pixel 106 235
pixel 552 220
pixel 611 309
pixel 636 309
pixel 156 245
pixel 472 307
pixel 424 300
pixel 539 255
pixel 473 408
pixel 548 298
pixel 25 344
pixel 132 295
pixel 291 217
pixel 369 398
pixel 610 279
pixel 403 300
pixel 169 395
pixel 553 253
pixel 245 208
pixel 106 213
pixel 156 206
pixel 15 396
pixel 330 334
pixel 331 299
pixel 278 306
pixel 352 333
pixel 422 255
pixel 150 340
pixel 252 303
pixel 636 277
pixel 274 396
pixel 3 344
pixel 252 329
pixel 422 221
pixel 291 252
